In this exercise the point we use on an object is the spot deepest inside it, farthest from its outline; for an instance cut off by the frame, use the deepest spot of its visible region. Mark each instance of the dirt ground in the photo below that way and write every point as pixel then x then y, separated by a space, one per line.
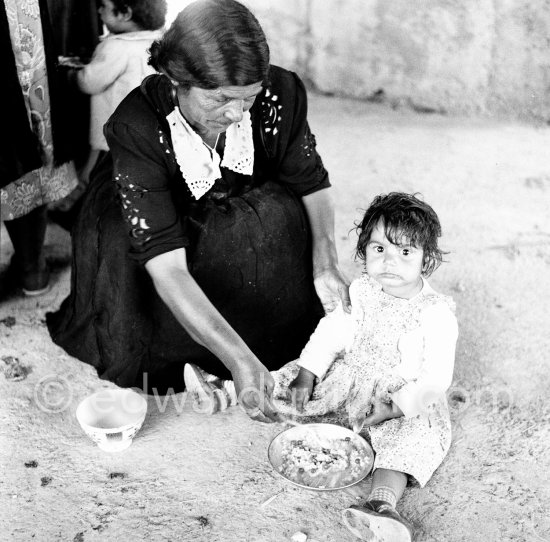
pixel 191 477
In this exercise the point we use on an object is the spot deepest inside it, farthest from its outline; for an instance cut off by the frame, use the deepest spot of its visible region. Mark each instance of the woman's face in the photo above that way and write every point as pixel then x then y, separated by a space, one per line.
pixel 211 111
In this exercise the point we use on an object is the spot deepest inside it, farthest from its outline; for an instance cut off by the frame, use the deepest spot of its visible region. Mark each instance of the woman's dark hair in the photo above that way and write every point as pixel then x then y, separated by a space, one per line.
pixel 148 14
pixel 213 43
pixel 403 215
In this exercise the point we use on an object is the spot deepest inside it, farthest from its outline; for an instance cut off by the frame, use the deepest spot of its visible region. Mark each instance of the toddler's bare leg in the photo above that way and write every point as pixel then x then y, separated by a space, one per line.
pixel 389 483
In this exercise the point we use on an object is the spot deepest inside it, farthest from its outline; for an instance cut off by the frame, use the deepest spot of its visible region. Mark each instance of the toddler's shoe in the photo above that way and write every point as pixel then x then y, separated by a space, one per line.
pixel 209 393
pixel 377 521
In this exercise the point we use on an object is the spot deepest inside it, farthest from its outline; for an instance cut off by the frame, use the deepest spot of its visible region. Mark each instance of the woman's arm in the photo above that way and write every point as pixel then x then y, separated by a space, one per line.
pixel 331 285
pixel 142 173
pixel 193 310
pixel 301 169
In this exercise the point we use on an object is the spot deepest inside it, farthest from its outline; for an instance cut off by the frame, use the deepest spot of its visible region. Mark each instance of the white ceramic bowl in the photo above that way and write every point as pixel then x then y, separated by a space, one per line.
pixel 321 456
pixel 111 418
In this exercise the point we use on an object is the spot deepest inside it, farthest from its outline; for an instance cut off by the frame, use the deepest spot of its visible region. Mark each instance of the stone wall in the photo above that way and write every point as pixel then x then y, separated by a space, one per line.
pixel 475 57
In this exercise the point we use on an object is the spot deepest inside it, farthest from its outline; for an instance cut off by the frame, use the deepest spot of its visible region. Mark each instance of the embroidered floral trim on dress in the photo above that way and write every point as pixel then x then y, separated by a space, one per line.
pixel 199 164
pixel 129 194
pixel 309 144
pixel 271 110
pixel 48 183
pixel 309 149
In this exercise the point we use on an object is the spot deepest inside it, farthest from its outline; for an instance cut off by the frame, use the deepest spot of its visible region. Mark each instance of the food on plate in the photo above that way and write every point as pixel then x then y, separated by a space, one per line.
pixel 325 463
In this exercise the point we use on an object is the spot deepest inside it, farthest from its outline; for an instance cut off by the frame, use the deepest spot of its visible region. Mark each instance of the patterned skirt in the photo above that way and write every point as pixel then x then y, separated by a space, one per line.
pixel 49 183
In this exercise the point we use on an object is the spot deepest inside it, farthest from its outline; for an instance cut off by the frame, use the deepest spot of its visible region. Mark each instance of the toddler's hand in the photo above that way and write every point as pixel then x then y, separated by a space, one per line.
pixel 299 390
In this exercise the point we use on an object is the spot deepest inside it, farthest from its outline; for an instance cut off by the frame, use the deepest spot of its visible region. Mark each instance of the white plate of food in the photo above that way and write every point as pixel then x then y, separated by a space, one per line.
pixel 321 456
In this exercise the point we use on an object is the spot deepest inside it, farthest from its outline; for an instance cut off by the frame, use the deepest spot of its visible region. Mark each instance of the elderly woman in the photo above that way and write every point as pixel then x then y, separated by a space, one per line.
pixel 206 235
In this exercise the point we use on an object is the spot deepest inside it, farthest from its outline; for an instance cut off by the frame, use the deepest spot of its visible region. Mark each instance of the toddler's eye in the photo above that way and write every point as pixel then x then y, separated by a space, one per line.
pixel 378 248
pixel 406 251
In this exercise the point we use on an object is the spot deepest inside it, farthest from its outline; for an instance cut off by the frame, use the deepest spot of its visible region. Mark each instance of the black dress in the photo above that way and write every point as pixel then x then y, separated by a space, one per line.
pixel 248 243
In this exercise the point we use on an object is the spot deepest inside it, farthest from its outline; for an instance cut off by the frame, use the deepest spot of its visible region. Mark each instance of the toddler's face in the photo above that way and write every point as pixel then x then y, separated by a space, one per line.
pixel 398 268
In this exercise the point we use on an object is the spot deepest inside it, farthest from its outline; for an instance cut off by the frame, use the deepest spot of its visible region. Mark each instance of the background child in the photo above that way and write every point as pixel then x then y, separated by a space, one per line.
pixel 118 65
pixel 386 366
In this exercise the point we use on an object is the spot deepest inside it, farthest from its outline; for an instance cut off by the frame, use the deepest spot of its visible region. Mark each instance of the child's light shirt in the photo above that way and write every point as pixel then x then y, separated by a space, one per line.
pixel 426 353
pixel 118 65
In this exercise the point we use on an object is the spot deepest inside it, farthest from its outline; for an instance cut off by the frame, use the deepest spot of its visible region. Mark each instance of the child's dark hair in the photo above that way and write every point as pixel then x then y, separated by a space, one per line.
pixel 403 215
pixel 148 14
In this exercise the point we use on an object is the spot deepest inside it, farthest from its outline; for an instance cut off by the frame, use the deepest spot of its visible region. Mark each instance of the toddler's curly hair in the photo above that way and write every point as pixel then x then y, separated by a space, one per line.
pixel 148 14
pixel 403 216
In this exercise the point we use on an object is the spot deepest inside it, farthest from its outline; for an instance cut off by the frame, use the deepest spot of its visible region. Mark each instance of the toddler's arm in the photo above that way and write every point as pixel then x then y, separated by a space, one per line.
pixel 440 333
pixel 103 70
pixel 331 336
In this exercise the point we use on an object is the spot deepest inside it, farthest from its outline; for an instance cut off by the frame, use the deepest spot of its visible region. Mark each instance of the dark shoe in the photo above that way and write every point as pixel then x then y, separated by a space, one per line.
pixel 32 282
pixel 377 521
pixel 36 282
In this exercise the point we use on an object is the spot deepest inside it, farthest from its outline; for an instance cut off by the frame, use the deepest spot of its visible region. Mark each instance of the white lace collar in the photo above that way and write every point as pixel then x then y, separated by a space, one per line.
pixel 199 164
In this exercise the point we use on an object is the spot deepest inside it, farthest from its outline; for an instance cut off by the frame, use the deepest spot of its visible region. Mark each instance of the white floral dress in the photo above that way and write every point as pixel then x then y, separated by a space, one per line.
pixel 396 349
pixel 48 183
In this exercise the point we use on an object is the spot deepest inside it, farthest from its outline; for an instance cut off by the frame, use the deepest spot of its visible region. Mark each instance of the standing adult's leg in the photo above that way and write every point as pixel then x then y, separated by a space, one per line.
pixel 27 234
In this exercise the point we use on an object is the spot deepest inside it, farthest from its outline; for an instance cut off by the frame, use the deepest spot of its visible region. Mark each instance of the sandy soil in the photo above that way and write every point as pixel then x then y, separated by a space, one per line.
pixel 190 477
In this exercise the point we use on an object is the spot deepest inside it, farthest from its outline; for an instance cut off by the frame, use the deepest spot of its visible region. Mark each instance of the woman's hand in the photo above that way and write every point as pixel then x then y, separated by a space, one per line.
pixel 254 387
pixel 332 288
pixel 330 284
pixel 299 390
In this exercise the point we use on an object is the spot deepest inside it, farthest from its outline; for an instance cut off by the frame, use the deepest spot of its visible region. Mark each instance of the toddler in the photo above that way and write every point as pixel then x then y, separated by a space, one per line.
pixel 119 63
pixel 384 369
